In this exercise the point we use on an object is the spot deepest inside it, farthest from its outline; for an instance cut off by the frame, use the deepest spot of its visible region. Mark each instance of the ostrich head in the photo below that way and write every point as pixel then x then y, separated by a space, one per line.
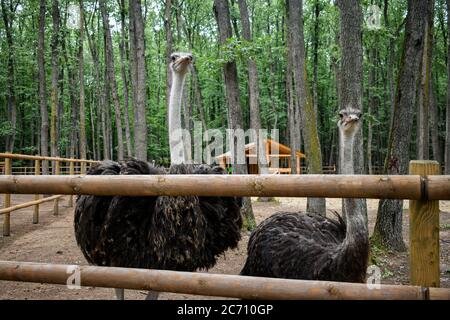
pixel 349 122
pixel 180 62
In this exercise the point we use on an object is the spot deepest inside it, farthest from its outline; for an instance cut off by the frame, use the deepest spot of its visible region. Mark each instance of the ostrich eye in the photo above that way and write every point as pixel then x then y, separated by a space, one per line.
pixel 359 114
pixel 341 115
pixel 173 58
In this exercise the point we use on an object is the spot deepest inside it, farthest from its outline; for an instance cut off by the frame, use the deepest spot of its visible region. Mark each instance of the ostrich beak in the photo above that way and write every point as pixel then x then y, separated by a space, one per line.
pixel 351 118
pixel 182 62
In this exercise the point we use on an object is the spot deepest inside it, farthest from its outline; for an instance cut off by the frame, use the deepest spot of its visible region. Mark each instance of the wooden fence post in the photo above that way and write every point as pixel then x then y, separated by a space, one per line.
pixel 83 167
pixel 71 172
pixel 56 203
pixel 424 230
pixel 7 201
pixel 37 171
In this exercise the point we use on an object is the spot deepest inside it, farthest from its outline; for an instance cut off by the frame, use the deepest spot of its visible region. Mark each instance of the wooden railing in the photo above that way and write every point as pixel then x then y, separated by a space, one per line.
pixel 56 169
pixel 424 187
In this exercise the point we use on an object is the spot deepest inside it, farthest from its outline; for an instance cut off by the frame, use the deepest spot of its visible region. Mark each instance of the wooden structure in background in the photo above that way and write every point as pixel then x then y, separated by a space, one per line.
pixel 274 150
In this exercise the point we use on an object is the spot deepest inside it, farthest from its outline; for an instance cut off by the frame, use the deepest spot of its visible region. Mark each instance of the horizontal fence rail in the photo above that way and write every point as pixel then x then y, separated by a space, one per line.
pixel 412 187
pixel 28 204
pixel 28 157
pixel 219 285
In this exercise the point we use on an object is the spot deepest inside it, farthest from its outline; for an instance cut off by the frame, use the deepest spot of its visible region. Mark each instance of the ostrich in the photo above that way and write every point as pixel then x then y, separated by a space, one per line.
pixel 312 247
pixel 183 233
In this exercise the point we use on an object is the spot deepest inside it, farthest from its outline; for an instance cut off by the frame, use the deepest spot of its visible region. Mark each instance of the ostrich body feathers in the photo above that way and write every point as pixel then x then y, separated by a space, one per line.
pixel 182 233
pixel 305 246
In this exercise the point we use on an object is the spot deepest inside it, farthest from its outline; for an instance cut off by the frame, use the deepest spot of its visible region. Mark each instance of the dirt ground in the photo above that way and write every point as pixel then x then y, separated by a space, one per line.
pixel 52 241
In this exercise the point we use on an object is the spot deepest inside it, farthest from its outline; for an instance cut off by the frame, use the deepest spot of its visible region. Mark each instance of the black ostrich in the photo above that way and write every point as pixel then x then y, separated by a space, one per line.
pixel 312 247
pixel 183 233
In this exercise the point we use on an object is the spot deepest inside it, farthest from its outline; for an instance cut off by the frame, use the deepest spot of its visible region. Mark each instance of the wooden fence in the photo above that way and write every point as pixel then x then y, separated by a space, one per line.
pixel 423 187
pixel 55 169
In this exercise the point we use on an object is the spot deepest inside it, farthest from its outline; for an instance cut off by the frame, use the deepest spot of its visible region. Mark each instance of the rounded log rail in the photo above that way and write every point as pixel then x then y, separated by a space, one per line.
pixel 219 285
pixel 28 204
pixel 28 157
pixel 412 187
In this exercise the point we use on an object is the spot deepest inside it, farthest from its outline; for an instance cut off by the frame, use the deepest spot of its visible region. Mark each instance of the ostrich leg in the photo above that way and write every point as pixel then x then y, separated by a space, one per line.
pixel 152 295
pixel 120 293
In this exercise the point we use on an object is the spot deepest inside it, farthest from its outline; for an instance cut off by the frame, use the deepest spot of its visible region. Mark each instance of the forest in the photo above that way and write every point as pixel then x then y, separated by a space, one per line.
pixel 89 79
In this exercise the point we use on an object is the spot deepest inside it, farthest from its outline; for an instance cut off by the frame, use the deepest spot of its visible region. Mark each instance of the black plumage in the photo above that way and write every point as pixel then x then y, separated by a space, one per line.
pixel 305 246
pixel 182 233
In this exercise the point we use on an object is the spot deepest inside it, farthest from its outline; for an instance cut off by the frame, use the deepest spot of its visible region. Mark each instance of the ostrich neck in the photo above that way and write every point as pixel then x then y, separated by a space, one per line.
pixel 356 233
pixel 177 154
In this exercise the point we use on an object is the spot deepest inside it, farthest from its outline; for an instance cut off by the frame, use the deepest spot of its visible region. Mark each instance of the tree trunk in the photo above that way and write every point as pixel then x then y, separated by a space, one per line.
pixel 138 78
pixel 83 139
pixel 235 119
pixel 316 54
pixel 110 69
pixel 123 52
pixel 169 44
pixel 388 227
pixel 8 17
pixel 42 86
pixel 447 118
pixel 54 77
pixel 423 138
pixel 100 96
pixel 372 105
pixel 305 105
pixel 255 115
pixel 351 74
pixel 434 124
pixel 290 96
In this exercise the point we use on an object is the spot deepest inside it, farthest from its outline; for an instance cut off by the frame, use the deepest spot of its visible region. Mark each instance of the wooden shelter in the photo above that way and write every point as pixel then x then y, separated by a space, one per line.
pixel 274 150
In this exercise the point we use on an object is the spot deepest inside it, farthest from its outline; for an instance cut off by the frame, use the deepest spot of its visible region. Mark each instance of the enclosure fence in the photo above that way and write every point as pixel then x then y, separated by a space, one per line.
pixel 74 166
pixel 424 187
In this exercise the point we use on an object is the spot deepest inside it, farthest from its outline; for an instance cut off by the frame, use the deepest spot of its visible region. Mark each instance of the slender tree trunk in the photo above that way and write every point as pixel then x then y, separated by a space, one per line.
pixel 83 139
pixel 351 74
pixel 447 118
pixel 255 115
pixel 101 108
pixel 109 140
pixel 423 138
pixel 434 124
pixel 169 45
pixel 316 54
pixel 54 75
pixel 138 79
pixel 306 108
pixel 372 105
pixel 235 119
pixel 109 60
pixel 388 227
pixel 42 86
pixel 8 17
pixel 123 47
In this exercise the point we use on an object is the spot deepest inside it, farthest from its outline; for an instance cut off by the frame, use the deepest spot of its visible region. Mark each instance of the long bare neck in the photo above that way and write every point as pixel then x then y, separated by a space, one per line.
pixel 356 233
pixel 177 153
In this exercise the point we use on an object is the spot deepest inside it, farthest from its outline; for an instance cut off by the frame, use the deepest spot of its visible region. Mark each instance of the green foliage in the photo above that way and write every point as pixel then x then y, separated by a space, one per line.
pixel 194 29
